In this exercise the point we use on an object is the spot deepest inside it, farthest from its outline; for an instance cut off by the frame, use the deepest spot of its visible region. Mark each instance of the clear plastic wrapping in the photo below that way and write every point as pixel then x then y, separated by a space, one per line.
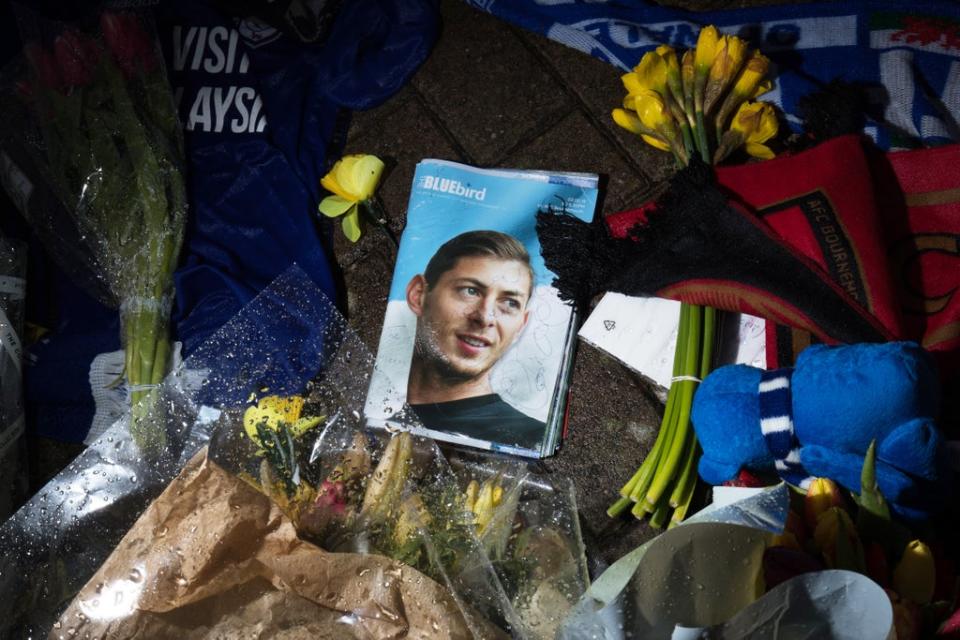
pixel 13 460
pixel 285 513
pixel 92 153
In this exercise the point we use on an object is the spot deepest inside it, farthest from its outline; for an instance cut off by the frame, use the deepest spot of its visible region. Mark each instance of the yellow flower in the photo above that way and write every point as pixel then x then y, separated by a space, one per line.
pixel 632 123
pixel 756 122
pixel 352 180
pixel 764 86
pixel 649 75
pixel 707 44
pixel 651 110
pixel 752 76
pixel 271 411
pixel 729 56
pixel 822 494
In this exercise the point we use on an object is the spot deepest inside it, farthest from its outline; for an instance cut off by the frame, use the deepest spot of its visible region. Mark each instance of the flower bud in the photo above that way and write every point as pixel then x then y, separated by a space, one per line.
pixel 128 42
pixel 76 56
pixel 707 43
pixel 915 577
pixel 836 538
pixel 822 494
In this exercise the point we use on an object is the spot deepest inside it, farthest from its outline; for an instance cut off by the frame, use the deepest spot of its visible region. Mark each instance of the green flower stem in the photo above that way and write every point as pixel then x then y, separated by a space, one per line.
pixel 688 143
pixel 674 453
pixel 644 473
pixel 650 466
pixel 703 144
pixel 375 213
pixel 686 477
pixel 152 268
pixel 619 507
pixel 660 514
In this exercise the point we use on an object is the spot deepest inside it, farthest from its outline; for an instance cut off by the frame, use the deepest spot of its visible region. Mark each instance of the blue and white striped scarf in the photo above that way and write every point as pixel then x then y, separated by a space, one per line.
pixel 906 53
pixel 776 424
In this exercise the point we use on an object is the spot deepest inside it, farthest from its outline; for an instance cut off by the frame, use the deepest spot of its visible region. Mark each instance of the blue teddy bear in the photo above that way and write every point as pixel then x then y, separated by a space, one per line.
pixel 818 419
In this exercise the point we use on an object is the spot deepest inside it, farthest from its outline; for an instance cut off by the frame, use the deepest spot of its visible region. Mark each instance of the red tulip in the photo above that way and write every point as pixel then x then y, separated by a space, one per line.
pixel 128 41
pixel 44 66
pixel 76 56
pixel 25 90
pixel 877 567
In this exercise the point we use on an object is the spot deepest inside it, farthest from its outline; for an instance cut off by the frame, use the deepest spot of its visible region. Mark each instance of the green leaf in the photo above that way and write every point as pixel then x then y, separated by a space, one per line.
pixel 870 498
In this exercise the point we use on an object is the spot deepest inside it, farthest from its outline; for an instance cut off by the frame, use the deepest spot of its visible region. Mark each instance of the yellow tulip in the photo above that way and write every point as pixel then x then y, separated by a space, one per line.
pixel 707 44
pixel 649 75
pixel 756 122
pixel 822 494
pixel 915 575
pixel 352 180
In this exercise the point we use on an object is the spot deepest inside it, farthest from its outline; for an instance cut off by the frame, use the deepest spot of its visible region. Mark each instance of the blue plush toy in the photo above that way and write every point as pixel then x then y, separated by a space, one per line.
pixel 818 418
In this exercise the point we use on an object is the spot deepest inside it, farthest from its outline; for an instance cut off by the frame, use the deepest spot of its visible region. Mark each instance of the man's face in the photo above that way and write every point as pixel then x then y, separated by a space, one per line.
pixel 471 315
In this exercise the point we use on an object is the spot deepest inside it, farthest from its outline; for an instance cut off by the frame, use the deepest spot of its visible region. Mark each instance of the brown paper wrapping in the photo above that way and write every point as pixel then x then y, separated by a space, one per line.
pixel 212 557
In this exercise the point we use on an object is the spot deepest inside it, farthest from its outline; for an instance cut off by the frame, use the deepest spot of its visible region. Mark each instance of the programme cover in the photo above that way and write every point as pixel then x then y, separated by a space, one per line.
pixel 475 338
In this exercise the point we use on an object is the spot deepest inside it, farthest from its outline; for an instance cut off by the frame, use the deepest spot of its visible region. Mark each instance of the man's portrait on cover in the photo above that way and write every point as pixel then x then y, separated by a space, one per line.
pixel 472 304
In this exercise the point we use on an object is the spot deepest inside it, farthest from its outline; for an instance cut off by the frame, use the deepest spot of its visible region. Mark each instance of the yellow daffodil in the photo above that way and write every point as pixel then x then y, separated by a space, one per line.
pixel 352 181
pixel 750 84
pixel 271 411
pixel 764 86
pixel 729 57
pixel 752 76
pixel 726 65
pixel 672 64
pixel 649 75
pixel 707 45
pixel 632 123
pixel 756 122
pixel 651 110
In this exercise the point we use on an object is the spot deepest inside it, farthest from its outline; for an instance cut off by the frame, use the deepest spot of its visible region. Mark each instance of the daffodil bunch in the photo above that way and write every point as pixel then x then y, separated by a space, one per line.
pixel 700 102
pixel 353 183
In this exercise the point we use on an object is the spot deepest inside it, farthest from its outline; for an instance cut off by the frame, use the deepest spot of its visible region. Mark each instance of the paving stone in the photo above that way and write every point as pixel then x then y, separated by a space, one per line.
pixel 597 88
pixel 576 144
pixel 401 132
pixel 613 422
pixel 486 86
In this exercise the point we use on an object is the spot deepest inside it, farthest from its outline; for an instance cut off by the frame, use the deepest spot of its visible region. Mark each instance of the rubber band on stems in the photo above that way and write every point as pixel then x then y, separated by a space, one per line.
pixel 685 379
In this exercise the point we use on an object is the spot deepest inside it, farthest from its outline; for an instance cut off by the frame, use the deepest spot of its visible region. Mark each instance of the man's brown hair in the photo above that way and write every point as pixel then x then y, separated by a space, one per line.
pixel 473 244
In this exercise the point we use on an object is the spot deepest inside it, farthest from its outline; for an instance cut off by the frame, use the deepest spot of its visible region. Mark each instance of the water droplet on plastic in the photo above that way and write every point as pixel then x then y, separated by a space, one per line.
pixel 135 575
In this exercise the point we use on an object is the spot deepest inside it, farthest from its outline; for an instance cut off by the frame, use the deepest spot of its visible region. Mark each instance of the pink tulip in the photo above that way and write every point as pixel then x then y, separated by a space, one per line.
pixel 77 57
pixel 128 41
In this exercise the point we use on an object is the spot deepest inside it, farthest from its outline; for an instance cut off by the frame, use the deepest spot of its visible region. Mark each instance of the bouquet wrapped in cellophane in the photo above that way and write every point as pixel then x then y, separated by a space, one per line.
pixel 279 515
pixel 93 153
